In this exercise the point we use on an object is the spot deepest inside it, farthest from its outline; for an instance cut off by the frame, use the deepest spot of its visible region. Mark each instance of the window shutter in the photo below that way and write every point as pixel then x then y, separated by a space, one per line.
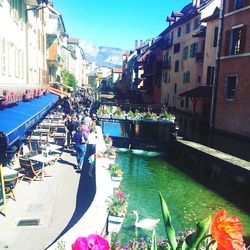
pixel 243 38
pixel 227 43
pixel 208 75
pixel 231 6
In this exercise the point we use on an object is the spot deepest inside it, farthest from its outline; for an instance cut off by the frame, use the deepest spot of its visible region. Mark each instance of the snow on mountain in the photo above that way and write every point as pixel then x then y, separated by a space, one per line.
pixel 102 56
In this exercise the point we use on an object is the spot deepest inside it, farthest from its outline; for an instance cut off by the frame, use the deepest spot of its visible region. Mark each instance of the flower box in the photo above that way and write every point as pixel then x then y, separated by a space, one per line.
pixel 115 223
pixel 134 118
pixel 119 117
pixel 103 116
pixel 164 120
pixel 149 119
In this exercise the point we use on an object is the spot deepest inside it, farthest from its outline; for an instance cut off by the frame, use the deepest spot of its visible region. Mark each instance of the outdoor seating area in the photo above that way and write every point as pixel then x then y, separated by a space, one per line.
pixel 41 148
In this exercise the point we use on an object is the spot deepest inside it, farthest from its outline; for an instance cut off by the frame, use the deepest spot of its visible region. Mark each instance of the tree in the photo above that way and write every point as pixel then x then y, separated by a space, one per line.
pixel 68 78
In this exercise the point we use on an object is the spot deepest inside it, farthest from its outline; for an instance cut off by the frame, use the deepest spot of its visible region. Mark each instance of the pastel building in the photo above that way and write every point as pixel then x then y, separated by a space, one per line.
pixel 231 100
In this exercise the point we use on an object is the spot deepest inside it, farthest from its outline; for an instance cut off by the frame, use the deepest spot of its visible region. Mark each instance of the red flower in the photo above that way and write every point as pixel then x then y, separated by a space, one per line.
pixel 92 242
pixel 227 232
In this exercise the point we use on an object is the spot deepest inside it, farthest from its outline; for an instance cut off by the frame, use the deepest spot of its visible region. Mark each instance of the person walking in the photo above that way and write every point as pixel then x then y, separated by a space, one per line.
pixel 70 126
pixel 81 139
pixel 87 120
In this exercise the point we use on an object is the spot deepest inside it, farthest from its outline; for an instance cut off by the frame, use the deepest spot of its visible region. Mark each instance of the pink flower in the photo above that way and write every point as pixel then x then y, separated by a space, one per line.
pixel 120 194
pixel 92 242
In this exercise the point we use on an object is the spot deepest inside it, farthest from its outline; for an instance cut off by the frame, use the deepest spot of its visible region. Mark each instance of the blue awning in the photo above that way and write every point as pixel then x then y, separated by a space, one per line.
pixel 17 120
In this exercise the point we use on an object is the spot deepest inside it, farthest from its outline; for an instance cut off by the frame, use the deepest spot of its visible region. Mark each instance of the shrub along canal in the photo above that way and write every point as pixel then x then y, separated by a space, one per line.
pixel 188 200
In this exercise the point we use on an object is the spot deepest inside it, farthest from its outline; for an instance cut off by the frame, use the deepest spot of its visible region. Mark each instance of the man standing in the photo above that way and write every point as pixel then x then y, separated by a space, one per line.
pixel 80 138
pixel 70 126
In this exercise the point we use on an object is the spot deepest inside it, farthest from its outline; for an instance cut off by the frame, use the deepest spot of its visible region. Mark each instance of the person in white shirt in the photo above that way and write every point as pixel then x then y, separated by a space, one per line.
pixel 87 120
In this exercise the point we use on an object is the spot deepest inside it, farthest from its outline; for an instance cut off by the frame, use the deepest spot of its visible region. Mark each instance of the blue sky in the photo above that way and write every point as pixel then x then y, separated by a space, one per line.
pixel 116 23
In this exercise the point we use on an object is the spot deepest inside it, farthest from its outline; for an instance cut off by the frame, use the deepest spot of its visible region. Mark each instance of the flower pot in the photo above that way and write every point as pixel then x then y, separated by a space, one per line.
pixel 116 178
pixel 134 118
pixel 115 223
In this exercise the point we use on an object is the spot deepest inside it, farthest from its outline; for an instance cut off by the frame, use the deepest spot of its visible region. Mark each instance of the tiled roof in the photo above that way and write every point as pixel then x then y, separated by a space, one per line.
pixel 189 12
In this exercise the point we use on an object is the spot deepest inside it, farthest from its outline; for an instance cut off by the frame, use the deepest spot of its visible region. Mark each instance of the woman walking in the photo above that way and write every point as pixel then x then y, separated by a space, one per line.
pixel 81 139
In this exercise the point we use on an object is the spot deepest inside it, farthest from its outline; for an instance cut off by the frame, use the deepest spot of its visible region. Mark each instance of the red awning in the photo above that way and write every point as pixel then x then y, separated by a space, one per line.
pixel 201 91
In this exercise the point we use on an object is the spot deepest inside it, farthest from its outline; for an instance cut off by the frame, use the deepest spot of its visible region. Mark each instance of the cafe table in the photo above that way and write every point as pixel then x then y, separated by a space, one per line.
pixel 51 147
pixel 44 159
pixel 41 130
pixel 38 138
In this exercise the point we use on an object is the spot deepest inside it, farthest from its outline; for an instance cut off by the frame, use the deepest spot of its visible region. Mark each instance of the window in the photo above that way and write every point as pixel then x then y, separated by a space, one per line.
pixel 235 41
pixel 210 75
pixel 237 4
pixel 196 23
pixel 175 88
pixel 3 56
pixel 176 66
pixel 172 36
pixel 188 28
pixel 185 53
pixel 177 47
pixel 179 32
pixel 182 103
pixel 215 37
pixel 230 88
pixel 193 49
pixel 186 102
pixel 165 77
pixel 186 77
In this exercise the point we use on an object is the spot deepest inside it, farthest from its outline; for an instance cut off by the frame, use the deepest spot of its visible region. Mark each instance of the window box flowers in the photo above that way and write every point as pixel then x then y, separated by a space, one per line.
pixel 166 117
pixel 102 112
pixel 119 114
pixel 134 116
pixel 149 117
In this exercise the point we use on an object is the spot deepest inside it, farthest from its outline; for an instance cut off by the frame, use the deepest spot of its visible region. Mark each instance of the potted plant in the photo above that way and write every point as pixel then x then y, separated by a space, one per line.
pixel 134 116
pixel 108 141
pixel 149 116
pixel 111 153
pixel 102 112
pixel 118 205
pixel 166 117
pixel 116 172
pixel 119 114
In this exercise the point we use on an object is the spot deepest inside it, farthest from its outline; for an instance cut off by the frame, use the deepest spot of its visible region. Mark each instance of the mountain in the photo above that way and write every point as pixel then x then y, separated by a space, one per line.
pixel 102 56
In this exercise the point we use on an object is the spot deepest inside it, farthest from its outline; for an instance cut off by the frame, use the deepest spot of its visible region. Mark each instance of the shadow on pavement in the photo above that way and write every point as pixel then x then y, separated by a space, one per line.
pixel 85 194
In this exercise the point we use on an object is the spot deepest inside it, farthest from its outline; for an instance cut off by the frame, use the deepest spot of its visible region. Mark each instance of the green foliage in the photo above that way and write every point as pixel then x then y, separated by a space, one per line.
pixel 167 223
pixel 68 78
pixel 193 240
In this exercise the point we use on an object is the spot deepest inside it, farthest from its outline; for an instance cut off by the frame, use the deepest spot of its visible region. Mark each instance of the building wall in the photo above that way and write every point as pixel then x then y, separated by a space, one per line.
pixel 12 46
pixel 234 115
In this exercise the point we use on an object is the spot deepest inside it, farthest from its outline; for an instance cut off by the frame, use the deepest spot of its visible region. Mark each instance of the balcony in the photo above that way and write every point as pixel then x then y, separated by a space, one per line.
pixel 199 57
pixel 166 64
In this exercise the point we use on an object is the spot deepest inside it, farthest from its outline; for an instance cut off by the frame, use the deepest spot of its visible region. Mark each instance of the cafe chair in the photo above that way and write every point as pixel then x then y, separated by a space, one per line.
pixel 10 182
pixel 32 170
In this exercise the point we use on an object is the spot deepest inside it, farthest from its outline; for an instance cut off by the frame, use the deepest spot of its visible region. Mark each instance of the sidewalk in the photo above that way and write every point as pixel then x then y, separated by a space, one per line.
pixel 52 201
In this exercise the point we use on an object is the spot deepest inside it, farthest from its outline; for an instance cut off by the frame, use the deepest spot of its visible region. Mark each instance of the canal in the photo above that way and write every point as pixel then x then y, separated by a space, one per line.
pixel 188 200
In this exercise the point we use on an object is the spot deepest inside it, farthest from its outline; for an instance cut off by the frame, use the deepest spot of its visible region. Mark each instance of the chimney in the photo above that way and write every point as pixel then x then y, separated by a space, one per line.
pixel 136 44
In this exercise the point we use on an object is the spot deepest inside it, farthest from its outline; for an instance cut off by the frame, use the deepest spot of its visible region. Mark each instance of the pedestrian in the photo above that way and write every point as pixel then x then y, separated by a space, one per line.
pixel 87 119
pixel 81 139
pixel 70 127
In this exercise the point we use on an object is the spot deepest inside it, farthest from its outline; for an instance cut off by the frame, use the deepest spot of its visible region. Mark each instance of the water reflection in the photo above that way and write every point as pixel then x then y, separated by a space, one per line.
pixel 188 201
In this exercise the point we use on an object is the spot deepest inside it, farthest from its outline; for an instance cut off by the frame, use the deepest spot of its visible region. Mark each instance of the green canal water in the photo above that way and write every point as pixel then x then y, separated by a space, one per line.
pixel 188 201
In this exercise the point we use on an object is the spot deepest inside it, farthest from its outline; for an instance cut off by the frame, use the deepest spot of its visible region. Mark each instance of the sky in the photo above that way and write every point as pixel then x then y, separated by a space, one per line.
pixel 116 23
